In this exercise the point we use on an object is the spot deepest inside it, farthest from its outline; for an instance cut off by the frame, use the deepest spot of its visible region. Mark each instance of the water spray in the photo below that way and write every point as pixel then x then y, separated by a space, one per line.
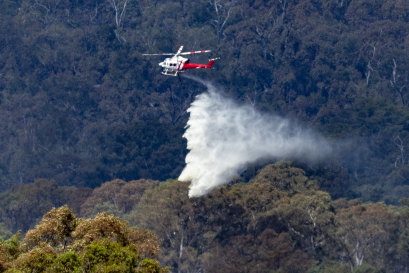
pixel 223 137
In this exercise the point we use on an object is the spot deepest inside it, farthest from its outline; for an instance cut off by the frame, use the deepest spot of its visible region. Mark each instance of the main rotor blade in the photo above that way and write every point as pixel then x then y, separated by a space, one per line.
pixel 195 52
pixel 159 54
pixel 179 50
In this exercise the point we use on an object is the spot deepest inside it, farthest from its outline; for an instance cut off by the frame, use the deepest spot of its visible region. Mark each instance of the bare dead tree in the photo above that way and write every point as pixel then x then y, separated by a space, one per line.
pixel 223 9
pixel 119 7
pixel 177 105
pixel 400 89
pixel 265 30
pixel 94 15
pixel 401 158
pixel 284 5
pixel 369 64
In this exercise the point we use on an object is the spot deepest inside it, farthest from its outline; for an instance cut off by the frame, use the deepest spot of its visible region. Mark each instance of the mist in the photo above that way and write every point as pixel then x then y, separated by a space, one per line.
pixel 223 137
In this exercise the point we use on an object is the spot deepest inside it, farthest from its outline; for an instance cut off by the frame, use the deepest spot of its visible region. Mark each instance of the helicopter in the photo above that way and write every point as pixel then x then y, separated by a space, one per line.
pixel 175 64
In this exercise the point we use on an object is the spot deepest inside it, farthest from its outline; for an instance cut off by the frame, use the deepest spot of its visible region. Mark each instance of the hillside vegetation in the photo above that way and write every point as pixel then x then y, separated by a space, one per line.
pixel 278 221
pixel 61 242
pixel 87 121
pixel 81 105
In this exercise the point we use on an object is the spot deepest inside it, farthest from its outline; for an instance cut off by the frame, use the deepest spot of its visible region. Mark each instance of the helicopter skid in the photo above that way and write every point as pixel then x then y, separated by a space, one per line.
pixel 170 73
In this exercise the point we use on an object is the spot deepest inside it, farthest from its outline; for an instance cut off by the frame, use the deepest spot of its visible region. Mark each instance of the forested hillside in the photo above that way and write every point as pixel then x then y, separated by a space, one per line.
pixel 80 106
pixel 61 242
pixel 278 221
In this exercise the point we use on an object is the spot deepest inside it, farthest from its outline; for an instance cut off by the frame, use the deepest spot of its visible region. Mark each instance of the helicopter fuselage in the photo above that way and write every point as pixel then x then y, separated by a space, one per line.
pixel 172 66
pixel 175 64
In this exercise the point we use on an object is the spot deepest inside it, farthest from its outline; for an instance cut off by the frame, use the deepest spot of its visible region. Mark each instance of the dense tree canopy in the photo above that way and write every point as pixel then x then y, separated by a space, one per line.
pixel 81 105
pixel 82 112
pixel 278 220
pixel 61 242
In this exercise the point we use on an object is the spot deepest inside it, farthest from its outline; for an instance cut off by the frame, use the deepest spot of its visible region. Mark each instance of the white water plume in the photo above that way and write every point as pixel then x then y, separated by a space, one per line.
pixel 224 137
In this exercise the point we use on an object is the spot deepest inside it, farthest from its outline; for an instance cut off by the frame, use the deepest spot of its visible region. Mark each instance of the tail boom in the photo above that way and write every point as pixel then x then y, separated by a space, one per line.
pixel 194 66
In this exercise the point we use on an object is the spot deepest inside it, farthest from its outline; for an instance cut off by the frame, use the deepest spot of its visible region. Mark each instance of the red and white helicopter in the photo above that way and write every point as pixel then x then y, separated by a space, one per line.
pixel 175 64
